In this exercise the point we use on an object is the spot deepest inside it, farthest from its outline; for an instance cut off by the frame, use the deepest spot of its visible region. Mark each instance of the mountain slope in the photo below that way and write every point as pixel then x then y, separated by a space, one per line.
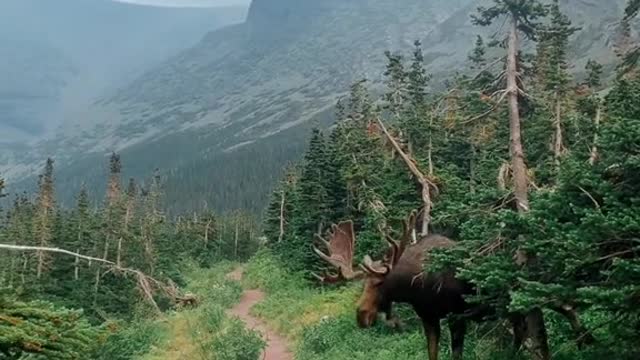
pixel 57 56
pixel 223 117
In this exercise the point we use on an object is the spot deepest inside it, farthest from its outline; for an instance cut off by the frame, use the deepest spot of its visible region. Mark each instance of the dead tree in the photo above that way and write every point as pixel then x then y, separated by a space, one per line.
pixel 425 183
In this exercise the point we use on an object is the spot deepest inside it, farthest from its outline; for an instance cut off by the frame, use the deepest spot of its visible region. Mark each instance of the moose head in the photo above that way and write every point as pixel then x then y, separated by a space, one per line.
pixel 340 246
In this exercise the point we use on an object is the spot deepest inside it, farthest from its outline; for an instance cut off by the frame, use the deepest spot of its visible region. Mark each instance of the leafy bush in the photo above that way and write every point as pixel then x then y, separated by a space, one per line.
pixel 235 342
pixel 128 341
pixel 41 330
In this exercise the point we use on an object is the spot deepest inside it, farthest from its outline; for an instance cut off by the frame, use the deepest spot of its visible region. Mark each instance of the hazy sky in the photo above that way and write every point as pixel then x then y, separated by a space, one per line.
pixel 189 3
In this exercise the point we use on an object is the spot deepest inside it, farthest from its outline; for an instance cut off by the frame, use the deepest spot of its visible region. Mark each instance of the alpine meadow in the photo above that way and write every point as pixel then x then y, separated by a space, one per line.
pixel 311 180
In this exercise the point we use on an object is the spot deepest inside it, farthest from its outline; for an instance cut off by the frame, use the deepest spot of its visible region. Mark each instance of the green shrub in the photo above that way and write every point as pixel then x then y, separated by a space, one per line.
pixel 235 342
pixel 212 286
pixel 128 341
pixel 42 330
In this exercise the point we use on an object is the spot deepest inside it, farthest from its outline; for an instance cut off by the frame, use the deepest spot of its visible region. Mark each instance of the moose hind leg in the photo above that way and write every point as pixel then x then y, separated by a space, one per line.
pixel 457 328
pixel 432 332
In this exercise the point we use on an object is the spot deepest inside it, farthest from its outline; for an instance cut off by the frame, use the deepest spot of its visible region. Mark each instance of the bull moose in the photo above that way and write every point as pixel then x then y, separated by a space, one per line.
pixel 400 278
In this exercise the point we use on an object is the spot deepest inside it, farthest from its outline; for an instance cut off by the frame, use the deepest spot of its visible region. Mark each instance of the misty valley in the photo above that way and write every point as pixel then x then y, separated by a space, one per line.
pixel 311 180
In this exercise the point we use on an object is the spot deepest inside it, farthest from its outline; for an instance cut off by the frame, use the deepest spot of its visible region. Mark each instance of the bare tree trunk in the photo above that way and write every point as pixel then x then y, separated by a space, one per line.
pixel 430 149
pixel 76 270
pixel 12 270
pixel 220 237
pixel 119 254
pixel 558 144
pixel 594 148
pixel 96 286
pixel 127 219
pixel 25 263
pixel 472 170
pixel 536 330
pixel 40 264
pixel 282 200
pixel 43 238
pixel 235 246
pixel 517 153
pixel 206 234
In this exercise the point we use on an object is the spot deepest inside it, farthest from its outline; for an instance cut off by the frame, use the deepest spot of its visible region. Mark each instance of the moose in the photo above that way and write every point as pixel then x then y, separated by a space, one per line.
pixel 400 278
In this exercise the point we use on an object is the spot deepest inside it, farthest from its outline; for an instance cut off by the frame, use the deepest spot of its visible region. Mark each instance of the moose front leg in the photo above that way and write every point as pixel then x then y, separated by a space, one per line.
pixel 458 328
pixel 432 332
pixel 390 319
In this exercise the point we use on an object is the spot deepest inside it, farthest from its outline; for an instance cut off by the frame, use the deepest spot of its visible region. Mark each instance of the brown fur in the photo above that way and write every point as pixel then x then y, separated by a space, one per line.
pixel 432 295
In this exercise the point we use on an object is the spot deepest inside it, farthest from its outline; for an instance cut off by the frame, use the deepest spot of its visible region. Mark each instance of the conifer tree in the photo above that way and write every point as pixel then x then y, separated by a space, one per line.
pixel 111 219
pixel 45 215
pixel 417 122
pixel 628 52
pixel 552 64
pixel 39 329
pixel 521 16
pixel 418 79
pixel 152 220
pixel 20 231
pixel 478 54
pixel 82 230
pixel 396 75
pixel 593 82
pixel 278 214
pixel 312 209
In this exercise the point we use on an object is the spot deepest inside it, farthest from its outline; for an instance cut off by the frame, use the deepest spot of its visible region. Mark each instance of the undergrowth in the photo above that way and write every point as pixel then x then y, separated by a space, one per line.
pixel 204 332
pixel 321 323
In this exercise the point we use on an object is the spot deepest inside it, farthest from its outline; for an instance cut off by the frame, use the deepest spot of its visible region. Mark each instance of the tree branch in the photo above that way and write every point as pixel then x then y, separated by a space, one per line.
pixel 144 281
pixel 426 184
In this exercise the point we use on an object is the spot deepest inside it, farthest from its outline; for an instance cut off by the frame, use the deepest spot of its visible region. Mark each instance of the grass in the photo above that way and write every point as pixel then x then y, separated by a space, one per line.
pixel 204 332
pixel 321 323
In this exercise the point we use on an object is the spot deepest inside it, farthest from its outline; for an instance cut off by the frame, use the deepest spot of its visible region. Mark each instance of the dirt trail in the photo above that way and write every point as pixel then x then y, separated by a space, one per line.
pixel 277 346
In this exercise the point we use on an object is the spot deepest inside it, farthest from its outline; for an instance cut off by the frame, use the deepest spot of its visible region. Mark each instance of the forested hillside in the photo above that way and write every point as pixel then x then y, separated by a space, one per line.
pixel 258 86
pixel 530 170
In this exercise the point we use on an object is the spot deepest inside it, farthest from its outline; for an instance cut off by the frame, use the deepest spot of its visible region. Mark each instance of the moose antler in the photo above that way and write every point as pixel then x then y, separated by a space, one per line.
pixel 341 248
pixel 396 248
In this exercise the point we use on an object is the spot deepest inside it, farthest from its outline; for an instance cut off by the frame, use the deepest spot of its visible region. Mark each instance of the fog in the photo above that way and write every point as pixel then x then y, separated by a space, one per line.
pixel 57 57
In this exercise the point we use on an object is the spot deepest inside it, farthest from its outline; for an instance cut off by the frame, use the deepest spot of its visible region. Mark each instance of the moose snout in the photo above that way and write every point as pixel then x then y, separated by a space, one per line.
pixel 366 319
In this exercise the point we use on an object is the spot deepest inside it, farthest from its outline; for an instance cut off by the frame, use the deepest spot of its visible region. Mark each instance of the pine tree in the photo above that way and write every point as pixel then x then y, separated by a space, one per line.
pixel 418 79
pixel 39 329
pixel 278 214
pixel 112 216
pixel 45 215
pixel 396 82
pixel 628 52
pixel 83 229
pixel 312 209
pixel 152 220
pixel 417 124
pixel 20 231
pixel 478 54
pixel 552 64
pixel 521 16
pixel 594 74
pixel 593 82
